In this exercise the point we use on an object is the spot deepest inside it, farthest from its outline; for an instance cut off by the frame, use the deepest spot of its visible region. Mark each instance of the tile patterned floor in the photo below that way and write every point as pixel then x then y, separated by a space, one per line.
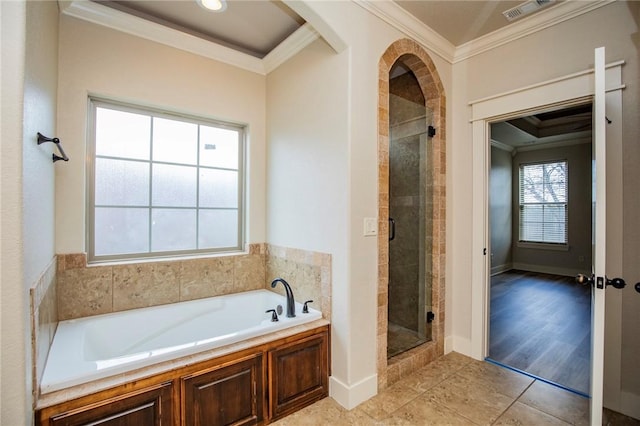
pixel 456 390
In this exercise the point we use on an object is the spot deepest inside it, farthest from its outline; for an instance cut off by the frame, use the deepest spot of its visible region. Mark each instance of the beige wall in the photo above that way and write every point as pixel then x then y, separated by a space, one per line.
pixel 322 111
pixel 14 391
pixel 561 50
pixel 98 61
pixel 29 80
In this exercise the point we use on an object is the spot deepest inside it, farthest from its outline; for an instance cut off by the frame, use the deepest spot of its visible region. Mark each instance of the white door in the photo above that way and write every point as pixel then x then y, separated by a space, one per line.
pixel 600 203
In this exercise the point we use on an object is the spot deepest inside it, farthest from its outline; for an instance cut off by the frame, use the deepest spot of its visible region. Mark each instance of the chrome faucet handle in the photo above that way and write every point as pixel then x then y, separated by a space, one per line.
pixel 274 315
pixel 305 308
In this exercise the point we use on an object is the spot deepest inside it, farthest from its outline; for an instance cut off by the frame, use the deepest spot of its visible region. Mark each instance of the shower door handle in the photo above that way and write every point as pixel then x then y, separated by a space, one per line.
pixel 392 229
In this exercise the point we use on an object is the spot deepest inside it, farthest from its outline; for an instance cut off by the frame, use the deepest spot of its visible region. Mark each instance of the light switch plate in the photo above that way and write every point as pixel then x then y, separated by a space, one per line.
pixel 370 226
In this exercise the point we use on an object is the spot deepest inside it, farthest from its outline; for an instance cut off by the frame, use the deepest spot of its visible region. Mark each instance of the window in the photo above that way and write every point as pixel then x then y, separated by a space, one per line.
pixel 543 202
pixel 161 184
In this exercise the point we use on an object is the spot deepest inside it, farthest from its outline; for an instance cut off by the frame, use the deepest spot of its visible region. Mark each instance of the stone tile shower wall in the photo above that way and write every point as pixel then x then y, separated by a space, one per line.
pixel 418 61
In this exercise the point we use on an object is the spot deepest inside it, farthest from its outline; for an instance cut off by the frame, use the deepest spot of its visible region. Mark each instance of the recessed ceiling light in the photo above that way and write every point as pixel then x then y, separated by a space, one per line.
pixel 213 5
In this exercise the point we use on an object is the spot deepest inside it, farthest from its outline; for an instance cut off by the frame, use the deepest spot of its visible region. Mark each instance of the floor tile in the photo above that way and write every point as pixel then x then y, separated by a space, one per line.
pixel 477 403
pixel 324 412
pixel 423 411
pixel 522 415
pixel 386 402
pixel 498 379
pixel 427 377
pixel 562 404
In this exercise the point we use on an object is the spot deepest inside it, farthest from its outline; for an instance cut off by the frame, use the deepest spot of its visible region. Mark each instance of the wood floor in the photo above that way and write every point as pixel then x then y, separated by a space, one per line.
pixel 541 324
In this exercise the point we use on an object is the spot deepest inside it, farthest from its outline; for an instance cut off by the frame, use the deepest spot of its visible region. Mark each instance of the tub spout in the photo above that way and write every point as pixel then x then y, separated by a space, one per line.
pixel 291 303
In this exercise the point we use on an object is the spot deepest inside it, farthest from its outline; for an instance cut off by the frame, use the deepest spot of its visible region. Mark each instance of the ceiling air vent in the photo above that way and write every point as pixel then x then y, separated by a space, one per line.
pixel 526 8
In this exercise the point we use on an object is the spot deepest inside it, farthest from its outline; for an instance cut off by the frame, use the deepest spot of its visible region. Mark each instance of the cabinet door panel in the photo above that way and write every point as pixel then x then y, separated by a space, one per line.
pixel 229 395
pixel 298 374
pixel 152 407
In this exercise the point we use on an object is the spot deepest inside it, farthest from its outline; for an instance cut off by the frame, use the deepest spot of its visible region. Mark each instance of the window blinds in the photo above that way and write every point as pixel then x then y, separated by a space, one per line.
pixel 543 202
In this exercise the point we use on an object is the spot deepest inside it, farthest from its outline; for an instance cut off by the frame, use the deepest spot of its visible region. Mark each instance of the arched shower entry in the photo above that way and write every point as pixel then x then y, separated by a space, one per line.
pixel 411 203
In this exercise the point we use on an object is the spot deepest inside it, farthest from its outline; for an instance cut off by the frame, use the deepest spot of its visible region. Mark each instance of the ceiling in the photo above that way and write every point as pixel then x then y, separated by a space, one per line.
pixel 460 21
pixel 256 27
pixel 566 126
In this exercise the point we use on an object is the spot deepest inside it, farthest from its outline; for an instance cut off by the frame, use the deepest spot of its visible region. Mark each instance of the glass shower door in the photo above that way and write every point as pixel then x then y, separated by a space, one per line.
pixel 410 212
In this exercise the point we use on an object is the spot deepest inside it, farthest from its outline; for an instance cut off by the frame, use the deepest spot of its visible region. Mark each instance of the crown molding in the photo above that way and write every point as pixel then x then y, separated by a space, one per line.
pixel 397 17
pixel 120 21
pixel 531 24
pixel 502 146
pixel 301 38
pixel 552 145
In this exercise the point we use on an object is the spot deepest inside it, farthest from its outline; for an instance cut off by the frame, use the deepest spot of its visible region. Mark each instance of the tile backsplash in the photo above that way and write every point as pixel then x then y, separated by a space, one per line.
pixel 84 290
pixel 44 319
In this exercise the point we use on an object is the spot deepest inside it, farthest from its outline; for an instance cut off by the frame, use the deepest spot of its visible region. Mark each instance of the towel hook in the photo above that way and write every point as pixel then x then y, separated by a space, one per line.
pixel 42 139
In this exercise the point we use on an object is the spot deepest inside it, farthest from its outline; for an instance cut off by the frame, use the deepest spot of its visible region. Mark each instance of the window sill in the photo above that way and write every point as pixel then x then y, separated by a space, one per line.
pixel 543 246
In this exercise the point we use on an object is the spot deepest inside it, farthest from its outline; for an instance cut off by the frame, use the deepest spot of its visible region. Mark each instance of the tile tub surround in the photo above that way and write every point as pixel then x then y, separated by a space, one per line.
pixel 308 273
pixel 44 320
pixel 92 290
pixel 418 60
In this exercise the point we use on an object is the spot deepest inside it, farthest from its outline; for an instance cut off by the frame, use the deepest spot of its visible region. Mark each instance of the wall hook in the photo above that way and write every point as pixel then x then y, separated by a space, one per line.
pixel 42 139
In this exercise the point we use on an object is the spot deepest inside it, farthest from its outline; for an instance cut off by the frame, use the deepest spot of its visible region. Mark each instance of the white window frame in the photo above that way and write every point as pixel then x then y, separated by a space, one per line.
pixel 94 103
pixel 528 243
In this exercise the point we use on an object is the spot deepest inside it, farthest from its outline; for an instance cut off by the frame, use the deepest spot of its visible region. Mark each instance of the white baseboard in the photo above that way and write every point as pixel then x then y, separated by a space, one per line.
pixel 495 270
pixel 448 344
pixel 544 269
pixel 351 396
pixel 459 344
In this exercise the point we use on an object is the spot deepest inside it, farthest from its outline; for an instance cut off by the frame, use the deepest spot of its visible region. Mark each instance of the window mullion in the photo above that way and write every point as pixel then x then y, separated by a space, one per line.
pixel 151 185
pixel 198 190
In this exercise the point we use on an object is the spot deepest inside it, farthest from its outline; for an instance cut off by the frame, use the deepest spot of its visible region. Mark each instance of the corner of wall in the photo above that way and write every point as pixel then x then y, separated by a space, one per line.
pixel 351 396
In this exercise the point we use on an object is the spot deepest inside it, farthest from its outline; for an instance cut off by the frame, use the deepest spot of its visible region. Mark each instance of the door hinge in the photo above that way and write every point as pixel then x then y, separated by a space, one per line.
pixel 484 251
pixel 430 316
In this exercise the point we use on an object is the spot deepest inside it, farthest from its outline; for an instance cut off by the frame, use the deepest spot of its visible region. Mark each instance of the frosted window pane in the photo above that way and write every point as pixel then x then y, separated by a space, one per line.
pixel 119 231
pixel 218 188
pixel 175 141
pixel 173 229
pixel 121 182
pixel 174 186
pixel 218 147
pixel 122 134
pixel 218 228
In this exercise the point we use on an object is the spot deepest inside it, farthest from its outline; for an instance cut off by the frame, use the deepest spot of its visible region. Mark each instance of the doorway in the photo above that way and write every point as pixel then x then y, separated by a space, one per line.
pixel 540 238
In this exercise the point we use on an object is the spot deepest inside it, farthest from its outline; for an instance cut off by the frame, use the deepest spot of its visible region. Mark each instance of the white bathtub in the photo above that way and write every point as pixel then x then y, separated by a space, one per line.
pixel 91 348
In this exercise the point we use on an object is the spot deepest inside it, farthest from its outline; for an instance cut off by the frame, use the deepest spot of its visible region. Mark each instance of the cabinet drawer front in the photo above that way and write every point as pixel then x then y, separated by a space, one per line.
pixel 228 395
pixel 152 407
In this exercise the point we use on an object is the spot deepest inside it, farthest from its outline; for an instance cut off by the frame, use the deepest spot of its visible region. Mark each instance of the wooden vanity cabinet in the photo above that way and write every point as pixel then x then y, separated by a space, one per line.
pixel 231 394
pixel 151 406
pixel 298 374
pixel 254 386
